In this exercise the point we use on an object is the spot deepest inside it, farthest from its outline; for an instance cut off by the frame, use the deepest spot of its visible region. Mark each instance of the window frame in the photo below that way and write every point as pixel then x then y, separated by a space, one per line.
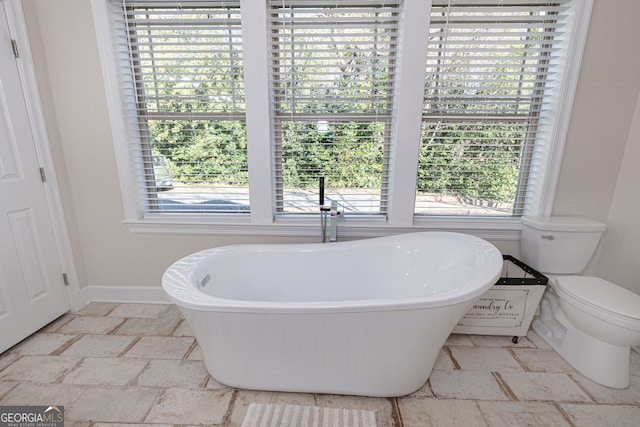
pixel 405 141
pixel 162 83
pixel 517 104
pixel 291 79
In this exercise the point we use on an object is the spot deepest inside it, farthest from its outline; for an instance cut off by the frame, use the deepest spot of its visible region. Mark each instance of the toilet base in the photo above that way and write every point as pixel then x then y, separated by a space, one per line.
pixel 601 362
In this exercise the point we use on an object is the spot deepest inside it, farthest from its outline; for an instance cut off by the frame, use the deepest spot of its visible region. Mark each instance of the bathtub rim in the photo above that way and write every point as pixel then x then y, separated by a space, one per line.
pixel 185 294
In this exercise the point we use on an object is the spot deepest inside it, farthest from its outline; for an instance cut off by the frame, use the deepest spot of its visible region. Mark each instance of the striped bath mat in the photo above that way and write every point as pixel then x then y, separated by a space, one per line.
pixel 271 415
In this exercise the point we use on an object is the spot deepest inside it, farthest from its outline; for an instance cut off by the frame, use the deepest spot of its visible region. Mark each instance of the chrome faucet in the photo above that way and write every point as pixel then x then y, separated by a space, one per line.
pixel 333 218
pixel 333 213
pixel 323 211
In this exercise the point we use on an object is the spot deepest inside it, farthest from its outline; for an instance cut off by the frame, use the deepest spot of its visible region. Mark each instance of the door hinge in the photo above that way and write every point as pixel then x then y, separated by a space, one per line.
pixel 43 176
pixel 65 279
pixel 14 46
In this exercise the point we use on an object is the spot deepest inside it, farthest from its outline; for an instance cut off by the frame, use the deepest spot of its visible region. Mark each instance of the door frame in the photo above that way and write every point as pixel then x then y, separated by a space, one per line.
pixel 78 296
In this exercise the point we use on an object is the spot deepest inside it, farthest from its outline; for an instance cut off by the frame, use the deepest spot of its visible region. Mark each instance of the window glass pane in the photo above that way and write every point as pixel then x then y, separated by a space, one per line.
pixel 206 162
pixel 469 168
pixel 488 90
pixel 333 71
pixel 350 155
pixel 182 66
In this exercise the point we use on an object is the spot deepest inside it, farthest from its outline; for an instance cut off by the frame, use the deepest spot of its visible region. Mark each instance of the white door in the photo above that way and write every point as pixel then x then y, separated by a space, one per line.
pixel 32 290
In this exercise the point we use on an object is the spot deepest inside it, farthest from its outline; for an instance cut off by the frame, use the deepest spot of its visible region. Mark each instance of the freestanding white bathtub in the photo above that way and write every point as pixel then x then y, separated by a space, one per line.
pixel 365 317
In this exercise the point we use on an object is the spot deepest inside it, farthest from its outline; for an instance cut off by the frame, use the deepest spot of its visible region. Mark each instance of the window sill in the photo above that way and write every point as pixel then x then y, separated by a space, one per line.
pixel 490 228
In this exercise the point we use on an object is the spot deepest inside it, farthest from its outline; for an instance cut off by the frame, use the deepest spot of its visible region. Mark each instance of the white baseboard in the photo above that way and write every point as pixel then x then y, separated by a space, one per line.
pixel 124 294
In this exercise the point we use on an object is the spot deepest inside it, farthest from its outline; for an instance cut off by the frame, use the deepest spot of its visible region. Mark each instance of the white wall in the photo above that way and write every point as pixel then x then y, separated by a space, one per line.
pixel 619 256
pixel 603 109
pixel 600 167
pixel 70 80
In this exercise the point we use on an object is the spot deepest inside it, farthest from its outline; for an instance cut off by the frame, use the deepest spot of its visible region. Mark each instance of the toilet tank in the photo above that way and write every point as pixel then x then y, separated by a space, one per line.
pixel 559 245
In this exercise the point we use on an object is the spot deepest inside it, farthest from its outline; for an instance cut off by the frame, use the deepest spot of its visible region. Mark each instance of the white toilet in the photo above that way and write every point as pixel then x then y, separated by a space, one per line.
pixel 590 322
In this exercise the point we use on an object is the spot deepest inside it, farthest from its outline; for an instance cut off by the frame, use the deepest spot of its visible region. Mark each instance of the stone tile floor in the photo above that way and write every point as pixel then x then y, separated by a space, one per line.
pixel 112 364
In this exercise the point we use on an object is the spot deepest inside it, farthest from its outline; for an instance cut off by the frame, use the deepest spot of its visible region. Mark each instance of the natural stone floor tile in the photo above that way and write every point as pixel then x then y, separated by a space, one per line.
pixel 440 413
pixel 544 386
pixel 512 414
pixel 634 363
pixel 42 344
pixel 602 415
pixel 99 346
pixel 6 386
pixel 173 311
pixel 424 391
pixel 536 340
pixel 112 404
pixel 443 362
pixel 542 360
pixel 139 310
pixel 196 354
pixel 38 394
pixel 215 385
pixel 500 341
pixel 106 371
pixel 188 406
pixel 459 340
pixel 160 348
pixel 184 330
pixel 466 385
pixel 602 394
pixel 146 326
pixel 91 325
pixel 38 369
pixel 96 309
pixel 174 373
pixel 485 359
pixel 7 358
pixel 58 323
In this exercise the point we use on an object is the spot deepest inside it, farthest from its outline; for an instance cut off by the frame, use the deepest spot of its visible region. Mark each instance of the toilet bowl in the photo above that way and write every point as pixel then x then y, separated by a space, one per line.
pixel 610 313
pixel 590 322
pixel 592 338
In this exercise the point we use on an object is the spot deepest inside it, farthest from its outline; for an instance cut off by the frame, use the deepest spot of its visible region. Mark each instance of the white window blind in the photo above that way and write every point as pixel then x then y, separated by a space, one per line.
pixel 489 92
pixel 332 77
pixel 181 71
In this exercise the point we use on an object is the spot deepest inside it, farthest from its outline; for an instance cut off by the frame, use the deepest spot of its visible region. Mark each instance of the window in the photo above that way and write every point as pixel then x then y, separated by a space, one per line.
pixel 490 74
pixel 182 73
pixel 419 115
pixel 333 75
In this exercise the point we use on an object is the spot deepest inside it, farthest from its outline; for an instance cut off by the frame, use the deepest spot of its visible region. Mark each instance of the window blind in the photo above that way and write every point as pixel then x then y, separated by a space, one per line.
pixel 332 89
pixel 181 71
pixel 489 92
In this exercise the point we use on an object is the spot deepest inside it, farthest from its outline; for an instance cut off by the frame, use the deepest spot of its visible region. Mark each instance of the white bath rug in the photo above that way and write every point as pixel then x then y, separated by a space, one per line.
pixel 271 415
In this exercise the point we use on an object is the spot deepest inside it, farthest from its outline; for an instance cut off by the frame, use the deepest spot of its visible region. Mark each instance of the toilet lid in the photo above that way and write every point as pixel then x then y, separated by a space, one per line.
pixel 602 294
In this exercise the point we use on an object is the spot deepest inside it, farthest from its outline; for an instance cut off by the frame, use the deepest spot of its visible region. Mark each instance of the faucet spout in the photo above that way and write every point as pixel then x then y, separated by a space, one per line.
pixel 333 226
pixel 332 212
pixel 324 210
pixel 333 229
